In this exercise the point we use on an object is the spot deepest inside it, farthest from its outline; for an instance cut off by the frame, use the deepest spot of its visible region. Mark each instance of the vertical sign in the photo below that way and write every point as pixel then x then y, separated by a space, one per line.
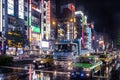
pixel 0 15
pixel 10 7
pixel 30 16
pixel 48 20
pixel 21 9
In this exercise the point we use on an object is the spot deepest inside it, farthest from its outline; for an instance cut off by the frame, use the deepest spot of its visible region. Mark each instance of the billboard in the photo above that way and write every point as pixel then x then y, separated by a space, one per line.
pixel 0 15
pixel 45 44
pixel 35 29
pixel 10 7
pixel 35 21
pixel 35 4
pixel 21 9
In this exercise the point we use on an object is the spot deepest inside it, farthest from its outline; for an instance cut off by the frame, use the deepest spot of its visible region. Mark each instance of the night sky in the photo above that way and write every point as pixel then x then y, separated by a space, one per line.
pixel 104 13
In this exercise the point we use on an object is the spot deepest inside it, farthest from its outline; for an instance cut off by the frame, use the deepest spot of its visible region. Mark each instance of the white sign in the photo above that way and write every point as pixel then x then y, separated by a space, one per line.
pixel 21 8
pixel 45 44
pixel 11 7
pixel 0 15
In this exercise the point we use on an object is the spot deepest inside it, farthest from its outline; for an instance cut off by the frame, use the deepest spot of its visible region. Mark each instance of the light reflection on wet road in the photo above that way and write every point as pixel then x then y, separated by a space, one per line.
pixel 21 73
pixel 18 74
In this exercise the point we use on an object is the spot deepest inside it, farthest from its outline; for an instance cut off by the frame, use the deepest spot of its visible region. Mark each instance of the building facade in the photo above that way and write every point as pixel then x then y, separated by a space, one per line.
pixel 34 24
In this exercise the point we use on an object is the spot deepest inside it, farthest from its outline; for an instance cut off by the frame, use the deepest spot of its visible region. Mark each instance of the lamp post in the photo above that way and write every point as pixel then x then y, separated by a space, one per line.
pixel 54 24
pixel 72 22
pixel 80 45
pixel 3 48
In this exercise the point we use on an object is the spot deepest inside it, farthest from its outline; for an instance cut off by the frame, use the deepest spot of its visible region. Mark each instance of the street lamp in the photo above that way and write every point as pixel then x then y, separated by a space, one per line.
pixel 54 23
pixel 55 27
pixel 71 20
pixel 80 45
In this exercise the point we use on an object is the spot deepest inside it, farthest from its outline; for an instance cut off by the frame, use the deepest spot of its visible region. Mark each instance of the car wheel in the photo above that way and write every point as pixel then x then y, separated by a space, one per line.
pixel 91 74
pixel 47 65
pixel 36 66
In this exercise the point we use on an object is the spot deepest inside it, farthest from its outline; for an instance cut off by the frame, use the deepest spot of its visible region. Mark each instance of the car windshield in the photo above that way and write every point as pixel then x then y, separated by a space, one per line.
pixel 46 56
pixel 103 56
pixel 85 60
pixel 64 47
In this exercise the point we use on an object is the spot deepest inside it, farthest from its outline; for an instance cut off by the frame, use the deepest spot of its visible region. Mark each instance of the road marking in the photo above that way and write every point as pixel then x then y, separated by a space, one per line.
pixel 100 76
pixel 53 72
pixel 13 67
pixel 46 71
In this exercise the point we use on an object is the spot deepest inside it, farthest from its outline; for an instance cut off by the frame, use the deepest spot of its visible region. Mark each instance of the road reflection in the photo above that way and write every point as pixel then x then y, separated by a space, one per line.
pixel 12 74
pixel 24 73
pixel 105 74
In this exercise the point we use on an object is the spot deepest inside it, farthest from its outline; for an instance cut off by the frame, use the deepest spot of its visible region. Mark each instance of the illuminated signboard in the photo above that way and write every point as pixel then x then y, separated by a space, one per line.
pixel 35 29
pixel 0 15
pixel 21 9
pixel 48 12
pixel 45 44
pixel 35 3
pixel 48 20
pixel 11 7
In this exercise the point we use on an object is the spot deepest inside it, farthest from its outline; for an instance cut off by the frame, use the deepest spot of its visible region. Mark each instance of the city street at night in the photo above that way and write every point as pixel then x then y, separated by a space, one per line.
pixel 22 72
pixel 59 40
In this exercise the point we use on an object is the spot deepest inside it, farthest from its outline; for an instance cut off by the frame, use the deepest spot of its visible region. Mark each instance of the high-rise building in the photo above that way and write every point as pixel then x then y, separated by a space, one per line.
pixel 66 19
pixel 48 10
pixel 34 23
pixel 14 16
pixel 33 17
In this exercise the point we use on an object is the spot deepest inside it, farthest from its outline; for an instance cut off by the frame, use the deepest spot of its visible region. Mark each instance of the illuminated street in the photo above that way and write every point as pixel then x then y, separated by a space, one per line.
pixel 22 73
pixel 59 40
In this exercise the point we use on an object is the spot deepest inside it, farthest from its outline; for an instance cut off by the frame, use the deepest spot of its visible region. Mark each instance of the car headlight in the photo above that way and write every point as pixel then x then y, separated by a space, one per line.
pixel 55 63
pixel 88 74
pixel 86 69
pixel 73 74
pixel 69 63
pixel 70 68
pixel 34 61
pixel 41 61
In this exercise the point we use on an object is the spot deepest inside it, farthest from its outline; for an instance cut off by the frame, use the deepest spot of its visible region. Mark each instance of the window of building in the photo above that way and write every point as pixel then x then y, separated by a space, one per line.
pixel 3 17
pixel 44 20
pixel 25 18
pixel 3 6
pixel 44 5
pixel 25 8
pixel 44 28
pixel 44 13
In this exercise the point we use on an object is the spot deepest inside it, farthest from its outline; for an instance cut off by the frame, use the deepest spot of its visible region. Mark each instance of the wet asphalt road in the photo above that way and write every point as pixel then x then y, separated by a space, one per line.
pixel 21 71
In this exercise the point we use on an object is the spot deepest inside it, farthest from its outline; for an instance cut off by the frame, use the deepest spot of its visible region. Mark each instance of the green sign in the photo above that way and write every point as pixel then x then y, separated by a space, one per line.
pixel 36 29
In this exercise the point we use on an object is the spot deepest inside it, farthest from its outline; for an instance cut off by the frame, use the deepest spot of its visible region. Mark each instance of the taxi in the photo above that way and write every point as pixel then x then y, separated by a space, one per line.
pixel 44 61
pixel 86 67
pixel 106 58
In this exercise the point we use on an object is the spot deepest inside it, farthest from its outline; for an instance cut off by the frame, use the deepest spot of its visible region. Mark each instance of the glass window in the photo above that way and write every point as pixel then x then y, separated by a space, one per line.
pixel 85 60
pixel 103 56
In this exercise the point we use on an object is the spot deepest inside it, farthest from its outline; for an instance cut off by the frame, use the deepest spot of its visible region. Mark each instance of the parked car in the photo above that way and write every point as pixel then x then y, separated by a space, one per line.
pixel 44 61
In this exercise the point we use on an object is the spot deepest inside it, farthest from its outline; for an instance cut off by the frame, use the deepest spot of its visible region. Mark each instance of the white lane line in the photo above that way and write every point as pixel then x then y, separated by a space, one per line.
pixel 53 72
pixel 46 71
pixel 13 67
